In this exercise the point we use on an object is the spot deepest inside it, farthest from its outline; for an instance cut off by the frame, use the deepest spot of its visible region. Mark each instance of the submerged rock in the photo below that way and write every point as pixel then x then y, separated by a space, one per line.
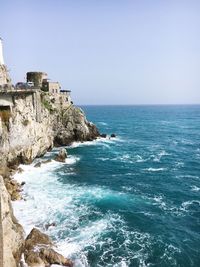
pixel 39 251
pixel 49 225
pixel 113 135
pixel 38 165
pixel 46 161
pixel 103 135
pixel 20 170
pixel 62 155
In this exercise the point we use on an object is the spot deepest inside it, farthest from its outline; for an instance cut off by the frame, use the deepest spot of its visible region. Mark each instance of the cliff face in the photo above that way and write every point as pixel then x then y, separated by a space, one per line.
pixel 23 137
pixel 78 128
pixel 37 122
pixel 11 232
pixel 31 123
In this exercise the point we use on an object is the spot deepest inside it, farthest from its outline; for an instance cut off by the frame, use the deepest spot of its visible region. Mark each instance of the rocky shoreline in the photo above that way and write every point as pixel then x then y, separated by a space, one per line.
pixel 22 139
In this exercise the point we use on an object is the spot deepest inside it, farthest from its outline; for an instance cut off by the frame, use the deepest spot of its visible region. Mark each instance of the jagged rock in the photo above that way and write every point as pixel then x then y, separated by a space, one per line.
pixel 39 251
pixel 60 127
pixel 38 165
pixel 103 135
pixel 36 237
pixel 20 170
pixel 49 225
pixel 62 155
pixel 5 172
pixel 14 189
pixel 23 142
pixel 46 161
pixel 74 127
pixel 11 233
pixel 113 135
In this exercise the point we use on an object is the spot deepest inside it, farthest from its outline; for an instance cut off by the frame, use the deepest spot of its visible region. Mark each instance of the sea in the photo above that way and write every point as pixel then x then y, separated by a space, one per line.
pixel 133 200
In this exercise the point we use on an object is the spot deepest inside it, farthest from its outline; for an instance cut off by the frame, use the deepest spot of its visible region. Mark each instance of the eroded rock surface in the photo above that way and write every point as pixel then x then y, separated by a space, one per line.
pixel 36 124
pixel 39 251
pixel 62 155
pixel 29 127
pixel 11 232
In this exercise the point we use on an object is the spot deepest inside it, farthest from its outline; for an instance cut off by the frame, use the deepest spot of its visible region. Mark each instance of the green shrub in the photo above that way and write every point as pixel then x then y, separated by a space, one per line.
pixel 47 105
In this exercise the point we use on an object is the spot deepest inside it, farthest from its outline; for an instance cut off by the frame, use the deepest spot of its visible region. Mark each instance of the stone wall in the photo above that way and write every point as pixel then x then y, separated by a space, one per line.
pixel 6 100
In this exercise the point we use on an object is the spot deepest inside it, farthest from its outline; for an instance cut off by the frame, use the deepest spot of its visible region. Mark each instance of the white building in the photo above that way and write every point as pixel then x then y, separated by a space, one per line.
pixel 5 80
pixel 1 52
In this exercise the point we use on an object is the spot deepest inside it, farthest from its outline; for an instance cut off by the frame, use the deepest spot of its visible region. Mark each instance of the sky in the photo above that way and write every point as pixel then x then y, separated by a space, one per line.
pixel 107 51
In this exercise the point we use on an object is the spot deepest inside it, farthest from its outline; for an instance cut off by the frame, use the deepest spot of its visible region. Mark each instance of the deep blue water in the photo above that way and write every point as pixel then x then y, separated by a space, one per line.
pixel 133 200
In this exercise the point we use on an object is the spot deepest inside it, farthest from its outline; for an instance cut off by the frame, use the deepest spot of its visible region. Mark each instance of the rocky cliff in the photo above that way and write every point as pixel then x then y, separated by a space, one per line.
pixel 38 121
pixel 11 232
pixel 30 125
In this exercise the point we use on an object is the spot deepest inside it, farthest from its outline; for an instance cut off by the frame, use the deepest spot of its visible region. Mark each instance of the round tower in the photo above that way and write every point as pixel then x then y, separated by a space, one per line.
pixel 1 52
pixel 36 77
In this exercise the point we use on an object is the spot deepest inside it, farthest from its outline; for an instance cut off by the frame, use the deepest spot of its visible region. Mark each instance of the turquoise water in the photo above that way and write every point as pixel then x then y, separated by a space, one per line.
pixel 129 201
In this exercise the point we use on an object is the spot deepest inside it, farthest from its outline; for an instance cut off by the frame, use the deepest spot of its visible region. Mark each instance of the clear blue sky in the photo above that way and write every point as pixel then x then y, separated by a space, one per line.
pixel 107 51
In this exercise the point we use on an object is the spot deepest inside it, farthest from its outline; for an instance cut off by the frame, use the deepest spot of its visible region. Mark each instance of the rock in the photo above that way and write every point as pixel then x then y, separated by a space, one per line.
pixel 23 183
pixel 36 237
pixel 16 196
pixel 20 170
pixel 113 135
pixel 39 251
pixel 21 143
pixel 11 231
pixel 74 127
pixel 49 225
pixel 46 161
pixel 103 135
pixel 62 155
pixel 38 165
pixel 14 189
pixel 5 172
pixel 61 127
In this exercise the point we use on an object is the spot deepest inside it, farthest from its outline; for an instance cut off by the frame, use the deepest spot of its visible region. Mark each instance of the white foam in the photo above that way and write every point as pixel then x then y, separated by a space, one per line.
pixel 195 188
pixel 186 204
pixel 98 141
pixel 48 200
pixel 160 155
pixel 103 123
pixel 140 159
pixel 155 169
pixel 69 206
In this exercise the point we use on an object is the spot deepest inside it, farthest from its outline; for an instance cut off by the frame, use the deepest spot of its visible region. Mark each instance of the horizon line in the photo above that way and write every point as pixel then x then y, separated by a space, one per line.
pixel 179 104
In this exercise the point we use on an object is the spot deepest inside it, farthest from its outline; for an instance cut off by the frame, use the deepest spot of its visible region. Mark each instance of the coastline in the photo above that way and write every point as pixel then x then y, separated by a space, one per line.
pixel 30 208
pixel 35 124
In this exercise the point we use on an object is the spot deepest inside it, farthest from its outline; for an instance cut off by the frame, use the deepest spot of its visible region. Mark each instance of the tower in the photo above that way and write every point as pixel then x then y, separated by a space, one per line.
pixel 1 52
pixel 5 80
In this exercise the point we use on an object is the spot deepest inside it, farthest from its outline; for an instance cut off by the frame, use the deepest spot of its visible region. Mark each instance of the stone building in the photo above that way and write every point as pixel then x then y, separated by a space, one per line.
pixel 51 87
pixel 66 94
pixel 5 81
pixel 36 77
